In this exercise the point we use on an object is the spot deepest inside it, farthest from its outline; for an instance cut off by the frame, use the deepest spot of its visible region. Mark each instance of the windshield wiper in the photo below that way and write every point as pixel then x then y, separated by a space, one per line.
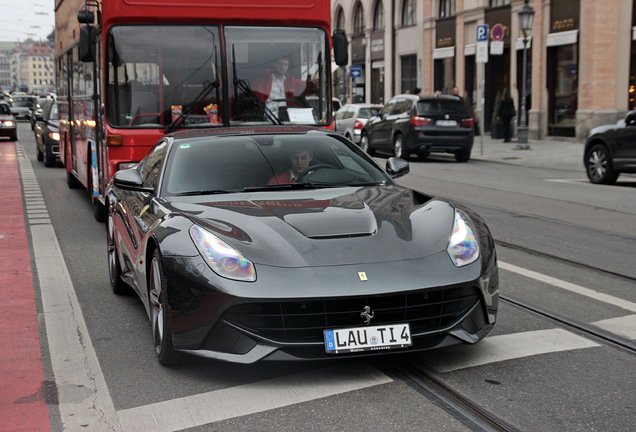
pixel 189 108
pixel 204 192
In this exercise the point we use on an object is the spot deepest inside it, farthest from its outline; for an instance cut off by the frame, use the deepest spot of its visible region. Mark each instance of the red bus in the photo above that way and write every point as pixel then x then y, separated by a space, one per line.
pixel 130 71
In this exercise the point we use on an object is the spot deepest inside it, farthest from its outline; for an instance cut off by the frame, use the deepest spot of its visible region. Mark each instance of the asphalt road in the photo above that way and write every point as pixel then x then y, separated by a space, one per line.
pixel 530 372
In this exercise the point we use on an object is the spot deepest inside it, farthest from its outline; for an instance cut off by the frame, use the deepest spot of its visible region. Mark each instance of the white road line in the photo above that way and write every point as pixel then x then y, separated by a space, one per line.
pixel 196 410
pixel 507 347
pixel 623 326
pixel 84 400
pixel 599 296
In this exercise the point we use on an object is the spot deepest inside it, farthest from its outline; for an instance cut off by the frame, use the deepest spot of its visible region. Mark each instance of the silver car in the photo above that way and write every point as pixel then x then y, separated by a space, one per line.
pixel 351 118
pixel 21 106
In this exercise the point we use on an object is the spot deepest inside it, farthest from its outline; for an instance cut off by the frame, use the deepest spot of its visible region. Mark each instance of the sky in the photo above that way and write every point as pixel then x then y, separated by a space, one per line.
pixel 23 19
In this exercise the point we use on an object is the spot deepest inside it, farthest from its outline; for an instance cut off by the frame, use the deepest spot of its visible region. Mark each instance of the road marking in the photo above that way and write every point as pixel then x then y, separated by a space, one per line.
pixel 197 410
pixel 623 326
pixel 596 295
pixel 507 347
pixel 84 400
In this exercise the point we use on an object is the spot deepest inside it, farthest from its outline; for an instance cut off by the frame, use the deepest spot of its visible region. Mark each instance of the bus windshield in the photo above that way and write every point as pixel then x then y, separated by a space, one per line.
pixel 169 76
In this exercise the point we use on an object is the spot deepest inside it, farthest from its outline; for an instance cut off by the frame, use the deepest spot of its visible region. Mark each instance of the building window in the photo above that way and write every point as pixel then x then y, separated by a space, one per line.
pixel 358 19
pixel 408 13
pixel 378 16
pixel 446 8
pixel 409 72
pixel 340 19
pixel 497 3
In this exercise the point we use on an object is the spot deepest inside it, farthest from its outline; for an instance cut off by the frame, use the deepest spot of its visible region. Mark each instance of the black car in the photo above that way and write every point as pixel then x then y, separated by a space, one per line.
pixel 236 258
pixel 611 150
pixel 47 135
pixel 8 126
pixel 410 124
pixel 35 113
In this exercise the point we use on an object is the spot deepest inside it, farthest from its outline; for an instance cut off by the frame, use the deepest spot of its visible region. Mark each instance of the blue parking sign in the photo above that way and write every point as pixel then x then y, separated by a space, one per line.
pixel 482 33
pixel 355 71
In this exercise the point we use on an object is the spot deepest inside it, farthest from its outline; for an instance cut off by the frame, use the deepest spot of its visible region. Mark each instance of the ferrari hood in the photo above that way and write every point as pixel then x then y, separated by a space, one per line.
pixel 325 227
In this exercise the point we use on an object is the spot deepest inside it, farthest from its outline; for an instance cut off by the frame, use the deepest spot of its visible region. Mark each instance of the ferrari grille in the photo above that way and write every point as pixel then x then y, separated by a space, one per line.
pixel 303 321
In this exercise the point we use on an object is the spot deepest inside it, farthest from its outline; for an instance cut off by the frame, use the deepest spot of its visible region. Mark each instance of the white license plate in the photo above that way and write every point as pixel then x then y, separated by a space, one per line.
pixel 373 338
pixel 446 123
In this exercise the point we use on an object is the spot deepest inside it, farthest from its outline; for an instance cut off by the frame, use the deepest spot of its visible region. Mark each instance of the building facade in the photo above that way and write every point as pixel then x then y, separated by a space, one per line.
pixel 581 57
pixel 27 66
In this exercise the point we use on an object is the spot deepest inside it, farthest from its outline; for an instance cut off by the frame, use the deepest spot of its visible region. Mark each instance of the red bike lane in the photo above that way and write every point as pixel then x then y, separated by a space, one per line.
pixel 23 405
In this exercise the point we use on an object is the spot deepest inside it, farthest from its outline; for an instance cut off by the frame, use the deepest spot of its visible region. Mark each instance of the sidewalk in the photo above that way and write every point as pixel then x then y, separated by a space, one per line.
pixel 564 153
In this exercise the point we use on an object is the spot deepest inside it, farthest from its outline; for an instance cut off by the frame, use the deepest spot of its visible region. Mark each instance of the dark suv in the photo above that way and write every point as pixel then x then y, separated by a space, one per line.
pixel 410 124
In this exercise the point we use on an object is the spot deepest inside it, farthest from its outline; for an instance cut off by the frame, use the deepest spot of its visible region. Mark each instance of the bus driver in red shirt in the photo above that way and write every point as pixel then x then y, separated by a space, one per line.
pixel 276 87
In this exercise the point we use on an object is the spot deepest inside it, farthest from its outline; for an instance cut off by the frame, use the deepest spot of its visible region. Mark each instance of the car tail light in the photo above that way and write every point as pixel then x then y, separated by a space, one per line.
pixel 469 122
pixel 358 124
pixel 420 121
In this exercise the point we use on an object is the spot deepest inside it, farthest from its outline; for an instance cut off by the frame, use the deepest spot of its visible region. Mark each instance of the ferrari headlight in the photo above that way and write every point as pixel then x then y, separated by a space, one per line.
pixel 462 245
pixel 221 257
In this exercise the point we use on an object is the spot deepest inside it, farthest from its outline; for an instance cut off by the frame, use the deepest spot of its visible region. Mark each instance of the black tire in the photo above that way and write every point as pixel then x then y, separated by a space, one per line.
pixel 14 137
pixel 398 147
pixel 365 145
pixel 598 165
pixel 99 209
pixel 49 157
pixel 40 155
pixel 160 320
pixel 117 284
pixel 463 155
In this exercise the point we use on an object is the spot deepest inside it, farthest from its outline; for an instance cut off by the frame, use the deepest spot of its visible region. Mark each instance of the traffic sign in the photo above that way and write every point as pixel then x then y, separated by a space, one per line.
pixel 482 33
pixel 355 71
pixel 498 32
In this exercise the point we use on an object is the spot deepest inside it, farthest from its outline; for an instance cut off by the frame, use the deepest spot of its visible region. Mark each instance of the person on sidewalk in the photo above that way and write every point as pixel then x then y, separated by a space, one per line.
pixel 505 114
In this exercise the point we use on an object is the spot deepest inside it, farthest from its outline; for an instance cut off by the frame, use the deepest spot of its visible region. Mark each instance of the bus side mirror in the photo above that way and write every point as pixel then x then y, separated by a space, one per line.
pixel 87 42
pixel 340 45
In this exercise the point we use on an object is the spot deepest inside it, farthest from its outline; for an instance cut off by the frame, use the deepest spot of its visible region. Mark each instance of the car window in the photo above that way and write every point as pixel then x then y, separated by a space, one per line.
pixel 388 108
pixel 4 109
pixel 401 105
pixel 341 114
pixel 441 107
pixel 150 168
pixel 349 113
pixel 366 113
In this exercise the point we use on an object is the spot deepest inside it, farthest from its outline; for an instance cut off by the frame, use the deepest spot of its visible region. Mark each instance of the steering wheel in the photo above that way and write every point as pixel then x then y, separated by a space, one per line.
pixel 303 176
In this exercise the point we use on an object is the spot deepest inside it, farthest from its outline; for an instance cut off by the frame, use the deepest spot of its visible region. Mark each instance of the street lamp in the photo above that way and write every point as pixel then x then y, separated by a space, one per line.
pixel 526 16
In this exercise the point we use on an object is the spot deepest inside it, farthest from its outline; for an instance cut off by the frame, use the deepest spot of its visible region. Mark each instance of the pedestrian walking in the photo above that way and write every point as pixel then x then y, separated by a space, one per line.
pixel 505 113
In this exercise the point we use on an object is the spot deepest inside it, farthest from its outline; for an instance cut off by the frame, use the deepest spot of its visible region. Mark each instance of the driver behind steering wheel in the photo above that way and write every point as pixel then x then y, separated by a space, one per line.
pixel 300 159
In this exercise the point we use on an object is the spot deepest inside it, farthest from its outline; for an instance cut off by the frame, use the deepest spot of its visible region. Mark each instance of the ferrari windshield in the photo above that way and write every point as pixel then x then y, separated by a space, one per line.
pixel 251 163
pixel 172 76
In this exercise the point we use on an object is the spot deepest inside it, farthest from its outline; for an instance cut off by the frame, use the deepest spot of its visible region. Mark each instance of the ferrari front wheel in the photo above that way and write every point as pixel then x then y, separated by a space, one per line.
pixel 160 320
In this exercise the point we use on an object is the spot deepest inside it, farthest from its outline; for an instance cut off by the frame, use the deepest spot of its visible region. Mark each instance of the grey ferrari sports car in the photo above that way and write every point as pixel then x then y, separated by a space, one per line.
pixel 281 243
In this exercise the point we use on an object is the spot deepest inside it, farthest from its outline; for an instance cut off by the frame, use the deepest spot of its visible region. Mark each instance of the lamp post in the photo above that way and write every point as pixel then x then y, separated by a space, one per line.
pixel 526 17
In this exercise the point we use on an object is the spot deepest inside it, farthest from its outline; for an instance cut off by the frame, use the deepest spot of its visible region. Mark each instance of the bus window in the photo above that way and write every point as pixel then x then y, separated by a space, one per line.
pixel 156 71
pixel 275 73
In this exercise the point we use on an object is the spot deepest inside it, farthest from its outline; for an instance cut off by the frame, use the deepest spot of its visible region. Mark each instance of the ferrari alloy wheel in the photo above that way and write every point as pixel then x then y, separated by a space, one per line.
pixel 114 268
pixel 598 166
pixel 161 332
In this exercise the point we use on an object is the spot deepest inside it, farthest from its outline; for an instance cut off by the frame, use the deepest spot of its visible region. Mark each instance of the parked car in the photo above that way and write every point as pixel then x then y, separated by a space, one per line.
pixel 47 135
pixel 8 126
pixel 611 150
pixel 313 102
pixel 338 261
pixel 36 111
pixel 351 118
pixel 411 124
pixel 21 106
